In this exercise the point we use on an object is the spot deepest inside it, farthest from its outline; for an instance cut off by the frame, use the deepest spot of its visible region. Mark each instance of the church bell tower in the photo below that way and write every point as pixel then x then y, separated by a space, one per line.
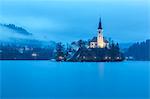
pixel 100 39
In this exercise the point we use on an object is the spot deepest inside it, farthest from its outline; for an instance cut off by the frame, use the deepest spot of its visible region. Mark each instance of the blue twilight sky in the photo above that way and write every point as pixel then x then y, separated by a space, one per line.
pixel 69 20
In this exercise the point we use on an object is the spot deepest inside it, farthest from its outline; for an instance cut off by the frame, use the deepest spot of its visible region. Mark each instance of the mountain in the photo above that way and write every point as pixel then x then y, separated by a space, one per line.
pixel 11 34
pixel 16 29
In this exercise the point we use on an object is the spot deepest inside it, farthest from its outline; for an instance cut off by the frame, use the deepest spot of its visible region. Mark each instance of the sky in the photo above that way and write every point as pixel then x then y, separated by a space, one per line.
pixel 71 20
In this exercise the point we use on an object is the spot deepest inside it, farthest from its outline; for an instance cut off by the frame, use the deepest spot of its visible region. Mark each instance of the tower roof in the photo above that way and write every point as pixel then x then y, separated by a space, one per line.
pixel 100 24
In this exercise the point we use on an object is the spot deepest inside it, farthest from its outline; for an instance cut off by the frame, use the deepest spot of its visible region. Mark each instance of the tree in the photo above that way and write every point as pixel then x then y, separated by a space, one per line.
pixel 60 51
pixel 114 50
pixel 81 43
pixel 139 51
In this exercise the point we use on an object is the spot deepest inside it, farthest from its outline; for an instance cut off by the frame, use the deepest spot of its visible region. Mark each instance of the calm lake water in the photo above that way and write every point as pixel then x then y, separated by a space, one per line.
pixel 46 80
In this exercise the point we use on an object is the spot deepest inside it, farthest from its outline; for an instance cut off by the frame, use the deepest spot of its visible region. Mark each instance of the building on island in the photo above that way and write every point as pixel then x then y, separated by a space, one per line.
pixel 98 50
pixel 99 41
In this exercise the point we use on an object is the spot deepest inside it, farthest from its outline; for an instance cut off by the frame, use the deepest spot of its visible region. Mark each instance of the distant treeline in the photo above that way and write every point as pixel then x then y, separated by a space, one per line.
pixel 16 29
pixel 139 51
pixel 13 52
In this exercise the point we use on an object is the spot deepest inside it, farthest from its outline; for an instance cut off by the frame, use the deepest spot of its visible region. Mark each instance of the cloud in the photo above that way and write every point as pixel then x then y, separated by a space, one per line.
pixel 77 19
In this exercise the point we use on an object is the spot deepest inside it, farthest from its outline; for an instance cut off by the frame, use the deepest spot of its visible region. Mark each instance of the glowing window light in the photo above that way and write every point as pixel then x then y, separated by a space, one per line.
pixel 34 54
pixel 118 58
pixel 60 57
pixel 106 57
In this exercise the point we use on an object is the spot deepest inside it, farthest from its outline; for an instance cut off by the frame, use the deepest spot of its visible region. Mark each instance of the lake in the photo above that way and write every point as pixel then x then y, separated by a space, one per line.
pixel 46 80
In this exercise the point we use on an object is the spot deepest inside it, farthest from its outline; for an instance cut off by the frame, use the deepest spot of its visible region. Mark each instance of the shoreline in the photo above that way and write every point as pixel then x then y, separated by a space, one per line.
pixel 64 61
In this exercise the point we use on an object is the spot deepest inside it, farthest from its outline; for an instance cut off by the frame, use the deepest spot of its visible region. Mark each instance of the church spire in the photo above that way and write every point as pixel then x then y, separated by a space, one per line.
pixel 100 24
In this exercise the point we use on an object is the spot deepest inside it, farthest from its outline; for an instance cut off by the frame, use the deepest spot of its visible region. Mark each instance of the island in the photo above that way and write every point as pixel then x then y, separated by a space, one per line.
pixel 98 49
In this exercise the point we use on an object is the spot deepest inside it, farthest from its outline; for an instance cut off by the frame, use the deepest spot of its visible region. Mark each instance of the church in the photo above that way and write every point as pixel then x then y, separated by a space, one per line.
pixel 99 41
pixel 98 50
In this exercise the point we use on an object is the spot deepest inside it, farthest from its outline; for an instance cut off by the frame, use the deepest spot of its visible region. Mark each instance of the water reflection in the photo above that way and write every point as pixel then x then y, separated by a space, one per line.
pixel 101 70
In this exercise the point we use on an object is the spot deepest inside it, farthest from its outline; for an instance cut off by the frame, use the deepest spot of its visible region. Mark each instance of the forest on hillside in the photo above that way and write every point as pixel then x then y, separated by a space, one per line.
pixel 139 51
